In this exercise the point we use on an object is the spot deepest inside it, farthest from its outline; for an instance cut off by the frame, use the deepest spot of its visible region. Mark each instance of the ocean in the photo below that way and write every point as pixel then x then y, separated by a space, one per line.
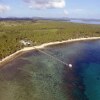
pixel 36 76
pixel 84 22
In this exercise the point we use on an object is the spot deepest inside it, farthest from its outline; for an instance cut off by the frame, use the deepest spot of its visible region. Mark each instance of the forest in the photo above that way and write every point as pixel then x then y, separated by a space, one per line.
pixel 39 32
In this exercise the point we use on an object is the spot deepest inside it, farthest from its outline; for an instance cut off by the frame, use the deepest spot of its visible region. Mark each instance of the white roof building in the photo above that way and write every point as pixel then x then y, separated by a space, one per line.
pixel 25 43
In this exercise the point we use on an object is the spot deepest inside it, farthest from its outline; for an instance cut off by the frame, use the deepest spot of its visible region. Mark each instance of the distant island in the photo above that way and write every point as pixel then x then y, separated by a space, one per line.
pixel 46 18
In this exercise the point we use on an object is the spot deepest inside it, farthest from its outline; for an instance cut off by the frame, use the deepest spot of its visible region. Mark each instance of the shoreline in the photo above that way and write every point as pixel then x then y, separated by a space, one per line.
pixel 19 52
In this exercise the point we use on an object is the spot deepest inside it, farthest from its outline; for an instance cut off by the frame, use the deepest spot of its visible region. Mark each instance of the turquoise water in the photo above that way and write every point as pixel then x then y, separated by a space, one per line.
pixel 35 76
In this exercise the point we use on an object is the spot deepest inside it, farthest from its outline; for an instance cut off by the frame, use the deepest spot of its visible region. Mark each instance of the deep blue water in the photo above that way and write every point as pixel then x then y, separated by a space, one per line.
pixel 35 76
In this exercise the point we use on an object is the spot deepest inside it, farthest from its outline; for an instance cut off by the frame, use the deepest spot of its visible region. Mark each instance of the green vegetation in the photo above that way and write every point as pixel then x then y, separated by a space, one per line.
pixel 11 32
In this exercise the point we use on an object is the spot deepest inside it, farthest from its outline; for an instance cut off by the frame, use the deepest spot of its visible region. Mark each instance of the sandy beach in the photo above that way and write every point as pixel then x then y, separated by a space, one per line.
pixel 12 56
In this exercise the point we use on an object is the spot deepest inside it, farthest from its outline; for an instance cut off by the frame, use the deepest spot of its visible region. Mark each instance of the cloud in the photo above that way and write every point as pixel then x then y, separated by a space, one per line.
pixel 4 8
pixel 45 4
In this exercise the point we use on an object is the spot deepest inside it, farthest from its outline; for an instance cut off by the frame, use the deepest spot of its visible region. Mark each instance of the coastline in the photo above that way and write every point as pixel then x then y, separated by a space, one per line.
pixel 19 52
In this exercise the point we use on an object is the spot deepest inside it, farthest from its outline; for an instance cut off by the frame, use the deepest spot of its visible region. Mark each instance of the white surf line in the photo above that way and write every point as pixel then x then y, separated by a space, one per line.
pixel 44 45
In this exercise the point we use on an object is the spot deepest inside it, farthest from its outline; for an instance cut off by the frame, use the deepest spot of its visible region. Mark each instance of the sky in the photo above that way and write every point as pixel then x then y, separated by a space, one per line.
pixel 50 8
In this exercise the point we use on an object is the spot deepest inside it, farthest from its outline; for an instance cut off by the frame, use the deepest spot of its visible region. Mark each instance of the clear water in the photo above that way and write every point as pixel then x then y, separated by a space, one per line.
pixel 35 76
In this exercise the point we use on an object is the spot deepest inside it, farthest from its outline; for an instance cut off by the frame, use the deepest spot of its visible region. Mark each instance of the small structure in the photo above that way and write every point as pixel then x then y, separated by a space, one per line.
pixel 26 42
pixel 70 66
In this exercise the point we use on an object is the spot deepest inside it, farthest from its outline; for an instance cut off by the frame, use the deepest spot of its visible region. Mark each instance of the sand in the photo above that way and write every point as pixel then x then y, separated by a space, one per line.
pixel 12 56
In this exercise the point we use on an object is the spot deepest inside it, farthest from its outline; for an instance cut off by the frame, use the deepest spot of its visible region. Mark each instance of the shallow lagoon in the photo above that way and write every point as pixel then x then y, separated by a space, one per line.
pixel 35 76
